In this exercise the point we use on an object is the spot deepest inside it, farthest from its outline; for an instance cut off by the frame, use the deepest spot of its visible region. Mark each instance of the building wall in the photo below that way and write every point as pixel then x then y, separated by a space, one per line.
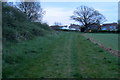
pixel 109 28
pixel 75 27
pixel 93 27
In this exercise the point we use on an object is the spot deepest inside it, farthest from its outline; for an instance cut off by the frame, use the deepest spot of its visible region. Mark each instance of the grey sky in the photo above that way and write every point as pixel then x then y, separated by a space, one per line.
pixel 61 11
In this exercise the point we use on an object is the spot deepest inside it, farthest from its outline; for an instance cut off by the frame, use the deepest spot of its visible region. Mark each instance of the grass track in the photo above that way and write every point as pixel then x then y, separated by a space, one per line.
pixel 66 55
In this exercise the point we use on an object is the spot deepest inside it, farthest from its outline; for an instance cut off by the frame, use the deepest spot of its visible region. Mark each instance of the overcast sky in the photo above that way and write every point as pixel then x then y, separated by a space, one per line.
pixel 61 11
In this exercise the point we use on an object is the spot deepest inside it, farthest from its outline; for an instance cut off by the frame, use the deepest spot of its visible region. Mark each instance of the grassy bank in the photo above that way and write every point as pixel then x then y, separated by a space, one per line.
pixel 16 26
pixel 64 55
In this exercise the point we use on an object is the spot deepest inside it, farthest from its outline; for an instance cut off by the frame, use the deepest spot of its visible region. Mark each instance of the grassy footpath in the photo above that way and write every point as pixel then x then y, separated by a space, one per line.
pixel 108 39
pixel 66 55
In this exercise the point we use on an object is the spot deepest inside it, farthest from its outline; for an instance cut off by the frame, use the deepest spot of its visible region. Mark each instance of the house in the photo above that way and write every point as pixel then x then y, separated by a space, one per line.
pixel 91 27
pixel 94 27
pixel 74 27
pixel 65 28
pixel 56 27
pixel 109 27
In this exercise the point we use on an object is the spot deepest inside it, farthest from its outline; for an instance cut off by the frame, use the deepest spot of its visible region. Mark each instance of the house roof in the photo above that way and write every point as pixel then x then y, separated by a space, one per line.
pixel 57 27
pixel 74 26
pixel 95 25
pixel 110 24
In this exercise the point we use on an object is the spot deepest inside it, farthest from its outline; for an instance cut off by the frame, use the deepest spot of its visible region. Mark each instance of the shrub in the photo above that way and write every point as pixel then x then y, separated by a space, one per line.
pixel 17 27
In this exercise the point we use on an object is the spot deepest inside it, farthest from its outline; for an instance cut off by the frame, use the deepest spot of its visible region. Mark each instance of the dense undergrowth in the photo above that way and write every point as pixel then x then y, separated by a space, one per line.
pixel 17 27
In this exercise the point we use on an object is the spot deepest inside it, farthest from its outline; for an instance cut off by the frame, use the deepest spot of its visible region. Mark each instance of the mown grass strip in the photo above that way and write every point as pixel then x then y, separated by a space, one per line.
pixel 65 55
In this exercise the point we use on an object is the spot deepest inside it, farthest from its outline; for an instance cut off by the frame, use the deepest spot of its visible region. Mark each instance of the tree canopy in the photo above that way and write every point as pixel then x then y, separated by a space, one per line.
pixel 32 9
pixel 87 16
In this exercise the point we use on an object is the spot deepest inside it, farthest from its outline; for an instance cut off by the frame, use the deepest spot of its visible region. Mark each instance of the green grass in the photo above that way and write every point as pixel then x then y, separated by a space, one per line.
pixel 108 39
pixel 65 55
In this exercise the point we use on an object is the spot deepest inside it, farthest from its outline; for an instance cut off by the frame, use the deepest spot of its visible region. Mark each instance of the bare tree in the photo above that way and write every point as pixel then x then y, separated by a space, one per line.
pixel 87 16
pixel 57 24
pixel 32 9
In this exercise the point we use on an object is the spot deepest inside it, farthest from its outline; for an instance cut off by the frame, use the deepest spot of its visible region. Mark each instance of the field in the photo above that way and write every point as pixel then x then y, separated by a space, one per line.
pixel 108 39
pixel 62 55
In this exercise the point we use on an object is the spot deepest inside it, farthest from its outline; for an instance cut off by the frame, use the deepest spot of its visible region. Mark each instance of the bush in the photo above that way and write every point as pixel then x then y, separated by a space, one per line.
pixel 104 31
pixel 9 34
pixel 17 27
pixel 94 31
